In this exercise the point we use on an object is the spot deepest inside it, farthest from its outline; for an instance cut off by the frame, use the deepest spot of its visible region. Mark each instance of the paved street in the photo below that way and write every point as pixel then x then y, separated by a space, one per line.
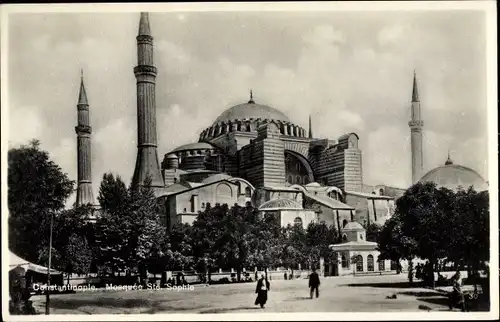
pixel 337 294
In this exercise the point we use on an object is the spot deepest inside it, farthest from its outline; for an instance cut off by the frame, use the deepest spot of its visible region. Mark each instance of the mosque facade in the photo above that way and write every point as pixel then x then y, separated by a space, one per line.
pixel 251 153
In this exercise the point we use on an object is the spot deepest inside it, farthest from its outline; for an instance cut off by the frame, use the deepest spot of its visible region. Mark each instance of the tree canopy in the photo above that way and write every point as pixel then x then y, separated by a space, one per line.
pixel 37 188
pixel 438 224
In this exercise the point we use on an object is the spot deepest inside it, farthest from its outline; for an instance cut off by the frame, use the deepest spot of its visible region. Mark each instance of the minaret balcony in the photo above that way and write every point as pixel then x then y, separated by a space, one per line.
pixel 416 123
pixel 83 129
pixel 145 69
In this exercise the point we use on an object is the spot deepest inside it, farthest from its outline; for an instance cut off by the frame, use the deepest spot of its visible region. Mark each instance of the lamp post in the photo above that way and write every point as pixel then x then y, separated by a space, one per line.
pixel 47 296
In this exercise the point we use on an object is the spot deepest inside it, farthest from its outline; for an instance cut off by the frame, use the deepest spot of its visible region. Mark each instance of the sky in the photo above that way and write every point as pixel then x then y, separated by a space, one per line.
pixel 351 71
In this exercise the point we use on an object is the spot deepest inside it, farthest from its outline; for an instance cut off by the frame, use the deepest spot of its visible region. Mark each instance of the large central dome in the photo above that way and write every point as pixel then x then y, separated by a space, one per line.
pixel 248 117
pixel 251 110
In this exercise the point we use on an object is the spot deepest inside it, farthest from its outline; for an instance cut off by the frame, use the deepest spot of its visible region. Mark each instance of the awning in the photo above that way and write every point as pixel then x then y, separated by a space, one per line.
pixel 328 202
pixel 16 261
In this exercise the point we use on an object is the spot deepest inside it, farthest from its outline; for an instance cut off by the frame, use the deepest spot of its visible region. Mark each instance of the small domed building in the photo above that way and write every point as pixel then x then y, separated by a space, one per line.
pixel 356 255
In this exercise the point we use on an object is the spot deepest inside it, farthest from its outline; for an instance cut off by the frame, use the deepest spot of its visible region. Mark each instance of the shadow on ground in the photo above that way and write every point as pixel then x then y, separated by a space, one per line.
pixel 420 293
pixel 223 310
pixel 384 285
pixel 298 298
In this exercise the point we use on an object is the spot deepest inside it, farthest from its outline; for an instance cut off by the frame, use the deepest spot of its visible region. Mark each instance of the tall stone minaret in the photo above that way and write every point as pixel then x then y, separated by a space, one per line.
pixel 145 74
pixel 416 124
pixel 83 131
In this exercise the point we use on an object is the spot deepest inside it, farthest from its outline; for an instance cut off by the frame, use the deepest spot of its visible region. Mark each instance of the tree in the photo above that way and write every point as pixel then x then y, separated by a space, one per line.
pixel 37 187
pixel 129 233
pixel 435 224
pixel 294 249
pixel 318 239
pixel 179 248
pixel 266 241
pixel 112 192
pixel 372 232
pixel 470 243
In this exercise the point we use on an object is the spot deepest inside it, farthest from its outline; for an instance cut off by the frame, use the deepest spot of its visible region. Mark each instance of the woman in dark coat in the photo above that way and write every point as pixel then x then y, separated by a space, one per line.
pixel 261 290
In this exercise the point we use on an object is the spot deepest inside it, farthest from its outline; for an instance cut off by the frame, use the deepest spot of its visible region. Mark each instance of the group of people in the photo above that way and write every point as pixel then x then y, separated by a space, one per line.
pixel 263 286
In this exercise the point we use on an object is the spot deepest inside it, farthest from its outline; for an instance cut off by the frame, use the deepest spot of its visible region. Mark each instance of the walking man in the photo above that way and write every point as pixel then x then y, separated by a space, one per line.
pixel 314 283
pixel 263 287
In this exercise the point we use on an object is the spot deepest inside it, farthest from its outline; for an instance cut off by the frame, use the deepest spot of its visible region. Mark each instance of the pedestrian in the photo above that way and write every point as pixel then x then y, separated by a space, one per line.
pixel 457 296
pixel 285 276
pixel 256 275
pixel 263 287
pixel 418 273
pixel 314 283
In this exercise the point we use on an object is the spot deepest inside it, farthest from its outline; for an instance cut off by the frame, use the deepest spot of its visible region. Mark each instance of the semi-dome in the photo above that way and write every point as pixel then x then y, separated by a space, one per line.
pixel 193 146
pixel 251 110
pixel 280 204
pixel 452 176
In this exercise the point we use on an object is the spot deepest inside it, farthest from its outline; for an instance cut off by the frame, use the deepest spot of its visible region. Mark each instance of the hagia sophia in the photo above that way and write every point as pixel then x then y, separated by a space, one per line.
pixel 254 153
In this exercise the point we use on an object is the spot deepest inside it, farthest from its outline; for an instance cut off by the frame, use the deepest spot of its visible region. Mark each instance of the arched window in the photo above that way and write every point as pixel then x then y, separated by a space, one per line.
pixel 344 223
pixel 381 192
pixel 381 265
pixel 290 179
pixel 370 264
pixel 224 194
pixel 248 192
pixel 297 221
pixel 344 262
pixel 298 180
pixel 344 238
pixel 359 263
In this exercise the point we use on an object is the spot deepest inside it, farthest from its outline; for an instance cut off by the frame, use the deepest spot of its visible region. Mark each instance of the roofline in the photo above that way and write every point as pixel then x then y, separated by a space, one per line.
pixel 310 195
pixel 368 196
pixel 194 188
pixel 279 208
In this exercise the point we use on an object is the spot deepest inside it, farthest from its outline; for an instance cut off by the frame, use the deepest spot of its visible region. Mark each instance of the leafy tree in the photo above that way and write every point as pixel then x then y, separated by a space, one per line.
pixel 129 233
pixel 372 232
pixel 318 239
pixel 71 251
pixel 294 249
pixel 37 188
pixel 179 248
pixel 266 241
pixel 112 192
pixel 470 243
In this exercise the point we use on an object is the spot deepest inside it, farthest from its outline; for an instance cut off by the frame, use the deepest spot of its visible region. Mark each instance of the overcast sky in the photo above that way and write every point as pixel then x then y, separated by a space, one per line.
pixel 352 71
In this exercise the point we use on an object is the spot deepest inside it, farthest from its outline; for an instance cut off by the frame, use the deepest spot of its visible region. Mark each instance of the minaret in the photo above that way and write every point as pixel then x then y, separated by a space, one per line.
pixel 310 128
pixel 145 74
pixel 83 130
pixel 416 124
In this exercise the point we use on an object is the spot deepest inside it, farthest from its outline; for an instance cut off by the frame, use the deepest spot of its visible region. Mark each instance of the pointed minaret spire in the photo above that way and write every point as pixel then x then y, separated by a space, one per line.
pixel 82 97
pixel 146 164
pixel 144 29
pixel 251 101
pixel 448 161
pixel 416 127
pixel 84 194
pixel 414 97
pixel 310 128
